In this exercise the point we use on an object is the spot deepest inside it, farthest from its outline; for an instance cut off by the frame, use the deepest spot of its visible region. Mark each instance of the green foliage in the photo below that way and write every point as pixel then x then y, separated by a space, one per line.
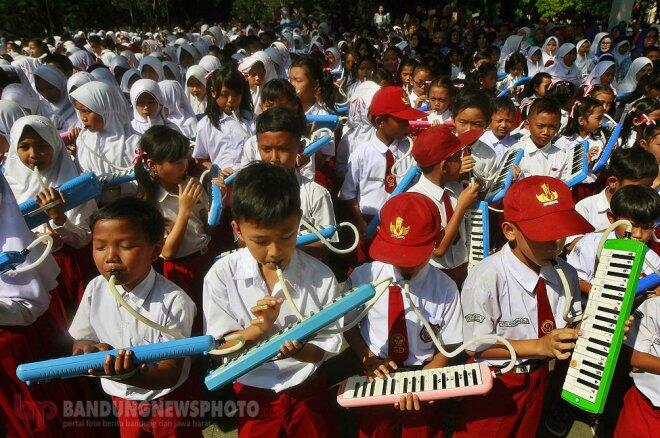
pixel 254 10
pixel 565 9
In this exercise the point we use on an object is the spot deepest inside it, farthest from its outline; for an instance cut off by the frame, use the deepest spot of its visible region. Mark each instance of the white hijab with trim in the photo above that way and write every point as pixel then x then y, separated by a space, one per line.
pixel 61 113
pixel 179 110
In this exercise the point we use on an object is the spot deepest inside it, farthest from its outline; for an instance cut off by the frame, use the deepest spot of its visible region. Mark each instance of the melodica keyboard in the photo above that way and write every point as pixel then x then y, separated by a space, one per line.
pixel 432 384
pixel 477 233
pixel 610 301
pixel 265 350
pixel 577 165
pixel 504 176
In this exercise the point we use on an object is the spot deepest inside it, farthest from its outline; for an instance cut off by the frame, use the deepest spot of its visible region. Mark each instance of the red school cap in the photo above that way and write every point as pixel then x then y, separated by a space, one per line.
pixel 438 143
pixel 393 101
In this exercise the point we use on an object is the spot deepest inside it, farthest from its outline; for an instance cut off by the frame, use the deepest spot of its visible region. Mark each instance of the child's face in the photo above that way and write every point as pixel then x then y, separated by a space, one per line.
pixel 440 99
pixel 279 147
pixel 551 46
pixel 34 151
pixel 271 246
pixel 406 74
pixel 147 106
pixel 652 145
pixel 640 232
pixel 570 57
pixel 391 62
pixel 301 82
pixel 592 123
pixel 92 121
pixel 349 61
pixel 532 253
pixel 452 167
pixel 365 70
pixel 646 70
pixel 607 77
pixel 256 75
pixel 393 127
pixel 542 88
pixel 227 99
pixel 330 58
pixel 196 88
pixel 606 99
pixel 584 48
pixel 118 246
pixel 543 127
pixel 48 91
pixel 170 172
pixel 149 73
pixel 420 80
pixel 502 123
pixel 516 70
pixel 468 119
pixel 536 57
pixel 489 82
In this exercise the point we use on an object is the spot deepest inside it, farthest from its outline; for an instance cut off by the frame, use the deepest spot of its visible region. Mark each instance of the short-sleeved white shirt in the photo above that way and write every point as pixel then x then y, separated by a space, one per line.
pixel 645 338
pixel 498 298
pixel 500 147
pixel 222 145
pixel 594 209
pixel 234 285
pixel 434 294
pixel 547 161
pixel 100 318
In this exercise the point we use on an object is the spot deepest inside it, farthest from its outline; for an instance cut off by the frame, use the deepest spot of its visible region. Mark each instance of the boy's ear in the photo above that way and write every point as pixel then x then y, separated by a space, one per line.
pixel 158 248
pixel 526 123
pixel 236 229
pixel 509 230
pixel 610 216
pixel 612 182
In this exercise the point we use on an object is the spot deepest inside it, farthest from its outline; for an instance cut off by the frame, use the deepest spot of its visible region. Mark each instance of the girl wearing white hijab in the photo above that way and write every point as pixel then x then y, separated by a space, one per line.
pixel 196 88
pixel 147 101
pixel 51 84
pixel 82 60
pixel 603 68
pixel 282 59
pixel 151 68
pixel 108 142
pixel 9 113
pixel 174 70
pixel 130 56
pixel 23 97
pixel 639 68
pixel 179 111
pixel 103 74
pixel 47 164
pixel 534 64
pixel 128 79
pixel 564 68
pixel 511 45
pixel 210 63
pixel 77 80
pixel 583 61
pixel 548 50
pixel 187 55
pixel 334 60
pixel 258 69
pixel 621 55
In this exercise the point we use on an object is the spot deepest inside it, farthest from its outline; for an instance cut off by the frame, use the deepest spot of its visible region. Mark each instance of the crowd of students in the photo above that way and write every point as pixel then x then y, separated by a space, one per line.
pixel 170 104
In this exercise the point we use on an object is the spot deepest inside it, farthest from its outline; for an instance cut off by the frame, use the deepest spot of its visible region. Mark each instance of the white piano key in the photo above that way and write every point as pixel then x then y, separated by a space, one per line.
pixel 578 375
pixel 571 385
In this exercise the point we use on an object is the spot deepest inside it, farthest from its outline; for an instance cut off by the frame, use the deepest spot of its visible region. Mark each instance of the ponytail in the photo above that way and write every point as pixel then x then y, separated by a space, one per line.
pixel 641 107
pixel 581 108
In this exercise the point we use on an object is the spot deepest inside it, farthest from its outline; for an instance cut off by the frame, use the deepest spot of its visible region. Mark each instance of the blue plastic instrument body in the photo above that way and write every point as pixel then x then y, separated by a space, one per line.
pixel 299 331
pixel 307 238
pixel 10 260
pixel 406 182
pixel 521 81
pixel 647 283
pixel 72 366
pixel 501 75
pixel 200 116
pixel 499 195
pixel 577 179
pixel 316 145
pixel 342 110
pixel 215 208
pixel 609 147
pixel 330 121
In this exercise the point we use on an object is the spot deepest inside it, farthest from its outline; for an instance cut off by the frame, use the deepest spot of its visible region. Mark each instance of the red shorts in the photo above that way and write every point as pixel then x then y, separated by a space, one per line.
pixel 638 418
pixel 511 409
pixel 301 411
pixel 157 419
pixel 386 422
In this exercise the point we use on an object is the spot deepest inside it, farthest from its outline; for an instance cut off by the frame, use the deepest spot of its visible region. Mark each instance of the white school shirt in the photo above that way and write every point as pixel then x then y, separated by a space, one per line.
pixel 485 160
pixel 583 256
pixel 223 145
pixel 547 161
pixel 645 338
pixel 565 142
pixel 434 294
pixel 365 173
pixel 233 286
pixel 317 109
pixel 316 205
pixel 100 318
pixel 498 298
pixel 195 238
pixel 456 254
pixel 500 147
pixel 75 231
pixel 434 117
pixel 251 153
pixel 594 209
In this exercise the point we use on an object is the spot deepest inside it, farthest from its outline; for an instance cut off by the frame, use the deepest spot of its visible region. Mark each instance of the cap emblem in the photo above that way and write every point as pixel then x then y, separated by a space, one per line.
pixel 397 230
pixel 547 196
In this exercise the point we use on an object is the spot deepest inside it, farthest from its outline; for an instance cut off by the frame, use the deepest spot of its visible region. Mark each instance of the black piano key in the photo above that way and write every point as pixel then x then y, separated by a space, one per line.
pixel 457 380
pixel 589 384
pixel 392 386
pixel 608 310
pixel 593 350
pixel 603 328
pixel 372 387
pixel 474 376
pixel 444 381
pixel 355 391
pixel 621 265
pixel 364 390
pixel 599 342
pixel 421 383
pixel 604 319
pixel 618 255
pixel 617 274
pixel 613 287
pixel 383 390
pixel 466 380
pixel 435 382
pixel 405 385
pixel 414 386
pixel 590 374
pixel 612 297
pixel 593 365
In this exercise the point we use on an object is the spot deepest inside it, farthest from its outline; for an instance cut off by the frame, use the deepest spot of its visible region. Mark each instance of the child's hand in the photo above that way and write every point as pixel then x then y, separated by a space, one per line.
pixel 467 197
pixel 374 367
pixel 558 343
pixel 84 347
pixel 627 326
pixel 653 293
pixel 436 122
pixel 302 160
pixel 116 366
pixel 73 135
pixel 226 172
pixel 56 213
pixel 266 310
pixel 289 349
pixel 516 171
pixel 467 164
pixel 189 195
pixel 593 154
pixel 361 225
pixel 408 402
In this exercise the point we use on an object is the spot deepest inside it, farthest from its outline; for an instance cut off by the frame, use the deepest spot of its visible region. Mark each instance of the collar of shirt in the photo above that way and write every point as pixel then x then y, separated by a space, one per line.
pixel 433 189
pixel 390 270
pixel 379 145
pixel 140 292
pixel 163 194
pixel 248 269
pixel 601 202
pixel 532 149
pixel 523 275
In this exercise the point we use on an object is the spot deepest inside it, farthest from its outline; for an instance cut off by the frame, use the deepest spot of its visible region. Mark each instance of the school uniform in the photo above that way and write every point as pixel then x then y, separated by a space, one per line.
pixel 100 318
pixel 594 209
pixel 318 109
pixel 316 205
pixel 434 117
pixel 503 296
pixel 222 145
pixel 547 161
pixel 566 142
pixel 291 393
pixel 251 153
pixel 640 416
pixel 437 298
pixel 499 146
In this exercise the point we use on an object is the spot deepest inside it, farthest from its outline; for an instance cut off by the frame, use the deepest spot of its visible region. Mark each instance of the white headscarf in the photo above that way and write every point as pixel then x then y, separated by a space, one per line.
pixel 562 72
pixel 139 123
pixel 175 69
pixel 629 83
pixel 23 97
pixel 24 296
pixel 210 63
pixel 221 40
pixel 261 56
pixel 179 110
pixel 283 57
pixel 126 78
pixel 82 60
pixel 78 79
pixel 544 55
pixel 511 45
pixel 28 65
pixel 597 72
pixel 117 141
pixel 583 62
pixel 155 64
pixel 61 113
pixel 595 45
pixel 9 113
pixel 130 56
pixel 103 74
pixel 24 182
pixel 198 106
pixel 622 61
pixel 119 61
pixel 188 48
pixel 337 66
pixel 533 67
